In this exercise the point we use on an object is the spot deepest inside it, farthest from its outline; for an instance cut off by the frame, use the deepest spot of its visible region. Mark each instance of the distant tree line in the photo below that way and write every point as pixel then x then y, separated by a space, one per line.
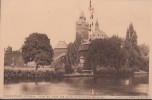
pixel 113 52
pixel 118 53
pixel 36 48
pixel 13 58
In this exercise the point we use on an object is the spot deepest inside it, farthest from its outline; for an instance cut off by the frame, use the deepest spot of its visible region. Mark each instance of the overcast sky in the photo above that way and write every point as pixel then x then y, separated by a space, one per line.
pixel 57 18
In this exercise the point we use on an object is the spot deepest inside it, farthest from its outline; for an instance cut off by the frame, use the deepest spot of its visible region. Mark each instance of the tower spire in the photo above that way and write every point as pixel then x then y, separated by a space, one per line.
pixel 91 9
pixel 97 25
pixel 82 14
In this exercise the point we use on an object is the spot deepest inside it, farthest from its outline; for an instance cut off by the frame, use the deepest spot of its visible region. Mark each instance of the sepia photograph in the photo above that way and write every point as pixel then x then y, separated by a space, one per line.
pixel 76 49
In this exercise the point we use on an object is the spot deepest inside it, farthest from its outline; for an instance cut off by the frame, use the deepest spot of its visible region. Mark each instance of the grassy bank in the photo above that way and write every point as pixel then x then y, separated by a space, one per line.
pixel 11 74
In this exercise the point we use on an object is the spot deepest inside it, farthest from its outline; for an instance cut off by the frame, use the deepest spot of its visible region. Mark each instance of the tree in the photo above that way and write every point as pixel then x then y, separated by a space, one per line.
pixel 71 57
pixel 8 56
pixel 105 52
pixel 144 59
pixel 114 53
pixel 37 48
pixel 17 58
pixel 131 49
pixel 71 54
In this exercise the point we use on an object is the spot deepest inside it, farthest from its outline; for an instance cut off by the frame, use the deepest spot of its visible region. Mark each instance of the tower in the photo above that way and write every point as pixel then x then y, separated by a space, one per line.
pixel 91 24
pixel 82 28
pixel 97 25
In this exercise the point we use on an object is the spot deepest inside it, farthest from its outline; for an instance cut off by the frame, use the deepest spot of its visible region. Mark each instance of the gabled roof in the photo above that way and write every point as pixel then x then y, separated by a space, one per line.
pixel 61 44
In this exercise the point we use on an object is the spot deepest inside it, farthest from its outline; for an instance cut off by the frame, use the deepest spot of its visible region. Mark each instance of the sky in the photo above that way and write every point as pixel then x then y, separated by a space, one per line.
pixel 57 19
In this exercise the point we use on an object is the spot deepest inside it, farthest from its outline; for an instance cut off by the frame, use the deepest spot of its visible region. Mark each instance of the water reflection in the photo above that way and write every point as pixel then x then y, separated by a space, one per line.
pixel 113 86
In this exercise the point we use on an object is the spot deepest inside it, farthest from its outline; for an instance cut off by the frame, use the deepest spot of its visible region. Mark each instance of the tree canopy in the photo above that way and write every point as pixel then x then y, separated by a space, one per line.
pixel 8 56
pixel 37 48
pixel 104 52
pixel 118 53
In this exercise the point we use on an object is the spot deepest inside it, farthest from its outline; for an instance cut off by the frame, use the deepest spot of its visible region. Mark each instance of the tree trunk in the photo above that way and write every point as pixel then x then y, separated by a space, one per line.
pixel 37 65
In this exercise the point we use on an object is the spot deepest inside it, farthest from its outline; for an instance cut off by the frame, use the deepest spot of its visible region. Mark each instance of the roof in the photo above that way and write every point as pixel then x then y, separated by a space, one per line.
pixel 98 34
pixel 61 55
pixel 86 42
pixel 61 44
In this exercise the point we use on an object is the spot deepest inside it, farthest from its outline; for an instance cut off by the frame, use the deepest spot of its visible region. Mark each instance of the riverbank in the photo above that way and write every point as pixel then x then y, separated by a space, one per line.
pixel 19 73
pixel 14 74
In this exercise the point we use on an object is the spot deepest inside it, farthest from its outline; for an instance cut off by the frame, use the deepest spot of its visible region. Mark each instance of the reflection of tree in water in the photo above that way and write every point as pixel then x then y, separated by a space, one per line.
pixel 83 85
pixel 25 88
pixel 142 79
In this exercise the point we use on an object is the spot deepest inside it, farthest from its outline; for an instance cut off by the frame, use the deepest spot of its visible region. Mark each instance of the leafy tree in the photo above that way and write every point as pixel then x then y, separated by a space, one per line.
pixel 17 58
pixel 71 57
pixel 114 53
pixel 71 54
pixel 37 48
pixel 8 56
pixel 105 52
pixel 131 49
pixel 144 59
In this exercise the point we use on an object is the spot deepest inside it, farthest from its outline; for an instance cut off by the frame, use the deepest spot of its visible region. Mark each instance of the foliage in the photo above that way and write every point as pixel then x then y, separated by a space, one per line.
pixel 135 55
pixel 105 71
pixel 71 58
pixel 105 52
pixel 12 75
pixel 71 54
pixel 144 59
pixel 17 58
pixel 68 69
pixel 131 48
pixel 8 56
pixel 37 48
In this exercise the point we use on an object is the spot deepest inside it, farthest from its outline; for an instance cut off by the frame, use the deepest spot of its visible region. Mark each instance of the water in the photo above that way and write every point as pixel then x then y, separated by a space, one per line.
pixel 112 86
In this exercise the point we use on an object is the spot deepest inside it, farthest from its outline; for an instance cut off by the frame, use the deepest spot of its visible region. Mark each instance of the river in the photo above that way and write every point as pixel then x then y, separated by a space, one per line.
pixel 136 85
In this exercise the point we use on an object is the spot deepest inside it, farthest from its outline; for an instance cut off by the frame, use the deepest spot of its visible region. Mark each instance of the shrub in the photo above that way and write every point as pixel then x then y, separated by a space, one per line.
pixel 125 71
pixel 10 75
pixel 68 69
pixel 105 71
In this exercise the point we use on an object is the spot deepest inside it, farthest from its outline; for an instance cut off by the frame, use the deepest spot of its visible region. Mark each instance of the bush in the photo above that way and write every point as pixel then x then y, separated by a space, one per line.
pixel 68 69
pixel 105 71
pixel 10 75
pixel 125 71
pixel 112 71
pixel 135 68
pixel 79 69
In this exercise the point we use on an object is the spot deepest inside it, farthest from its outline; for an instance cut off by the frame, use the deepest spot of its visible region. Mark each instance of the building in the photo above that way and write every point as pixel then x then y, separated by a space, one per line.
pixel 60 49
pixel 97 34
pixel 82 28
pixel 84 45
pixel 59 55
